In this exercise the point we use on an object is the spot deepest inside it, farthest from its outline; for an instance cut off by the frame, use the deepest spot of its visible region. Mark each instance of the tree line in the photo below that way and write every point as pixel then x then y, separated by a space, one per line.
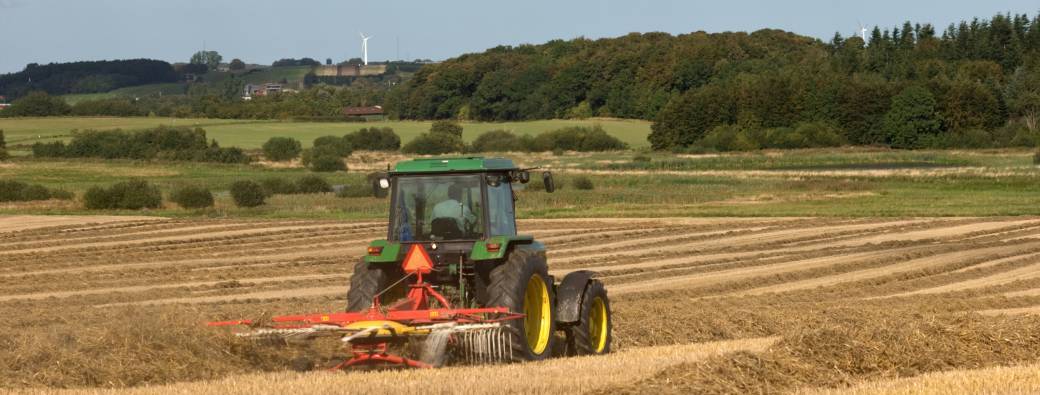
pixel 976 82
pixel 85 77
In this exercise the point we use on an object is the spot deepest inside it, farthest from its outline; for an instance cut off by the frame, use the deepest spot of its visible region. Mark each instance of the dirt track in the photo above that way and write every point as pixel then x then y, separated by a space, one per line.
pixel 222 266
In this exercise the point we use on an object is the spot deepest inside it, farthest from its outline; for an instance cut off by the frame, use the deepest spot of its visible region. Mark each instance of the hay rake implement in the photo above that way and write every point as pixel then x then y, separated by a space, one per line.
pixel 475 334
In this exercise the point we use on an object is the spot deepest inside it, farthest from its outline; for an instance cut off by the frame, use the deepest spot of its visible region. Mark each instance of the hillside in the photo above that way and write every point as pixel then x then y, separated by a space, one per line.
pixel 85 77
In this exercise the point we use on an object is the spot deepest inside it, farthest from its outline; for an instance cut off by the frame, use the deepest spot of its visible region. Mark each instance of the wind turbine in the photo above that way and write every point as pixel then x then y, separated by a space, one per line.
pixel 364 48
pixel 862 31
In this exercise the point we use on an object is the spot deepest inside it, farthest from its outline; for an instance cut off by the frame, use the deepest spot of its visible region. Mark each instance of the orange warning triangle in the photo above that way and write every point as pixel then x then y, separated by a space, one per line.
pixel 417 260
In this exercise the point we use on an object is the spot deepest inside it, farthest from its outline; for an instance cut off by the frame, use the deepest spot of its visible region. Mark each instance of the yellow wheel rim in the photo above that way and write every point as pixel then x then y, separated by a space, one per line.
pixel 598 325
pixel 537 314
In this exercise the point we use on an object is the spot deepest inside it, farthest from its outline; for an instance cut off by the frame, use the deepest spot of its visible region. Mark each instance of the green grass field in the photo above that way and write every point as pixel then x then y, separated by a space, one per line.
pixel 845 182
pixel 252 134
pixel 130 91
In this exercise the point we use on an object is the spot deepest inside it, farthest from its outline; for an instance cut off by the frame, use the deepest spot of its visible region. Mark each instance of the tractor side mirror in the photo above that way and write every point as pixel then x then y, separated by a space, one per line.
pixel 547 180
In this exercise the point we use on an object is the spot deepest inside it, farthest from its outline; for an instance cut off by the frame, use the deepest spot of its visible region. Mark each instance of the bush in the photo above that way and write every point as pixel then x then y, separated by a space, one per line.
pixel 355 190
pixel 247 193
pixel 35 192
pixel 729 138
pixel 130 195
pixel 219 155
pixel 447 127
pixel 498 141
pixel 642 158
pixel 54 149
pixel 38 104
pixel 277 186
pixel 62 194
pixel 323 158
pixel 969 138
pixel 820 134
pixel 281 149
pixel 11 191
pixel 340 145
pixel 3 146
pixel 576 138
pixel 583 183
pixel 374 139
pixel 312 184
pixel 16 191
pixel 192 196
pixel 434 144
pixel 911 118
pixel 162 142
pixel 116 107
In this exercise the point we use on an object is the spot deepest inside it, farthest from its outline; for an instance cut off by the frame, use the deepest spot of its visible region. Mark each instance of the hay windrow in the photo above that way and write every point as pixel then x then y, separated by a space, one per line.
pixel 852 346
pixel 129 347
pixel 121 304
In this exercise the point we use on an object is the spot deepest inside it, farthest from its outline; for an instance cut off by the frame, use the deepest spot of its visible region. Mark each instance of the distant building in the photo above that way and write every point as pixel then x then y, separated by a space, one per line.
pixel 4 105
pixel 263 90
pixel 350 70
pixel 371 112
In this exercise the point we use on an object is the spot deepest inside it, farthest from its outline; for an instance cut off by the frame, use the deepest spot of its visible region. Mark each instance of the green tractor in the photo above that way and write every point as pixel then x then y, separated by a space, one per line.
pixel 458 214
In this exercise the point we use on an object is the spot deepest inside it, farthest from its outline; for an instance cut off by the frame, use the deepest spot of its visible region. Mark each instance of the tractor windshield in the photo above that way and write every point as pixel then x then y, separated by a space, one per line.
pixel 437 208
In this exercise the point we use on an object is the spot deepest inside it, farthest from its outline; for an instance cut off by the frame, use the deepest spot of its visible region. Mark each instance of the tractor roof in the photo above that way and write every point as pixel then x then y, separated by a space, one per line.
pixel 454 164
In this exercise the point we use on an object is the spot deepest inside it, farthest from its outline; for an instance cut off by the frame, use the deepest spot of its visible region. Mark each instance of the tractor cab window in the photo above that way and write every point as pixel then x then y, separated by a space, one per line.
pixel 437 208
pixel 500 206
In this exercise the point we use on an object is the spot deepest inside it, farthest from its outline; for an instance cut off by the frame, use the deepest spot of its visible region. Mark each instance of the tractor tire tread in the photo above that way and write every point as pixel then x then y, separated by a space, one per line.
pixel 508 283
pixel 365 283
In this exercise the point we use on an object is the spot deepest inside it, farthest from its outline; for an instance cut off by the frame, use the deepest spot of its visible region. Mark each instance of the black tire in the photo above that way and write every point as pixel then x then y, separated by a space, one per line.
pixel 369 280
pixel 585 337
pixel 507 288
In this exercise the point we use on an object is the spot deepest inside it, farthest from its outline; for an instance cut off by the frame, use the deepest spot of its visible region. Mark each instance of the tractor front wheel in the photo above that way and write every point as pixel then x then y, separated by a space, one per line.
pixel 522 284
pixel 592 333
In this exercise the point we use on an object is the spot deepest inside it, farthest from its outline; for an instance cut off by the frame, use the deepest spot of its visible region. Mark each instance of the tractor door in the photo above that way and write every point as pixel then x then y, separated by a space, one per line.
pixel 501 211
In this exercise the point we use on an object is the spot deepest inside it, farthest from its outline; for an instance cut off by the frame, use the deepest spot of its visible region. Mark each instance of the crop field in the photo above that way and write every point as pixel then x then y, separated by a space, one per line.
pixel 250 134
pixel 99 304
pixel 831 183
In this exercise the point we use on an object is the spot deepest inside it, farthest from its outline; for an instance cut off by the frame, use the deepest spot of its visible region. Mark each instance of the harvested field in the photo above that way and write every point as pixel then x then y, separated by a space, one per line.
pixel 690 295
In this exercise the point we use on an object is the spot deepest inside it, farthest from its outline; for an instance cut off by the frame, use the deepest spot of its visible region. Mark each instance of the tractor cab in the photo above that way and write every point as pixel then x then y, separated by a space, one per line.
pixel 458 209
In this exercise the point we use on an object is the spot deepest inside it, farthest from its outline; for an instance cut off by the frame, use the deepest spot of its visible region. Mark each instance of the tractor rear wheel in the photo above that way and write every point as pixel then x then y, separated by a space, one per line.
pixel 591 335
pixel 369 280
pixel 522 285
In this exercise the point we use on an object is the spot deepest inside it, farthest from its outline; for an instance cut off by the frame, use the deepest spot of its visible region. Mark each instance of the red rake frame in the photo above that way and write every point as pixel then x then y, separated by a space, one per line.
pixel 412 311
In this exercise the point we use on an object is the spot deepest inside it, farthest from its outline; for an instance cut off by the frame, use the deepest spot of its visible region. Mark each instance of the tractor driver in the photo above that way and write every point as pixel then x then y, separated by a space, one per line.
pixel 454 209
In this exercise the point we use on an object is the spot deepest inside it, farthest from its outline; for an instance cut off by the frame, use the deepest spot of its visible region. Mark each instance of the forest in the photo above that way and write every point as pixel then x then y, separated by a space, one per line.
pixel 85 77
pixel 975 83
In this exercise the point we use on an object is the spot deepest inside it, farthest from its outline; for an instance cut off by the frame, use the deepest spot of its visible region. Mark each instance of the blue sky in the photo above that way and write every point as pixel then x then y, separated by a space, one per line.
pixel 261 31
